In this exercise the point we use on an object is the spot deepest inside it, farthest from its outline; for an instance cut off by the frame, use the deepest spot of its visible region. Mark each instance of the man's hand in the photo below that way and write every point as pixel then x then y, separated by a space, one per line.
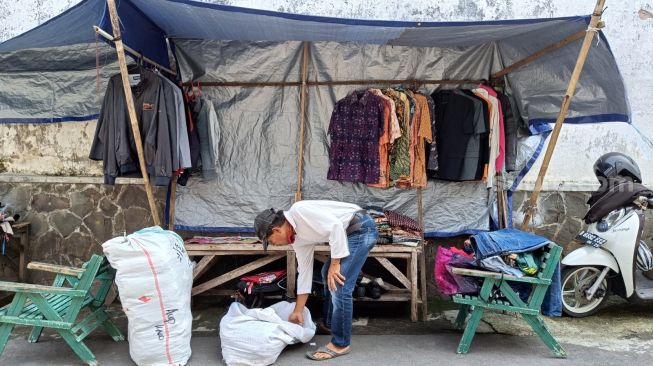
pixel 334 275
pixel 296 317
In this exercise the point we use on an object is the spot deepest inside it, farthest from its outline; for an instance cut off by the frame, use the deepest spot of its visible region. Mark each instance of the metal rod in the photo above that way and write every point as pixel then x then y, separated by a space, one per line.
pixel 564 108
pixel 109 37
pixel 115 23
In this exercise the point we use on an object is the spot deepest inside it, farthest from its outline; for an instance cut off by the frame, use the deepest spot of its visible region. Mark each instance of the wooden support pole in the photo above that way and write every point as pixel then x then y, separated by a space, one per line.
pixel 572 38
pixel 173 198
pixel 566 100
pixel 120 50
pixel 302 122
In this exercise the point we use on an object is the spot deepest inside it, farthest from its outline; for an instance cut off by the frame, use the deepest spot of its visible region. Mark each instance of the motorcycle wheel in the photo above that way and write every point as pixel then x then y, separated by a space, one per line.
pixel 575 281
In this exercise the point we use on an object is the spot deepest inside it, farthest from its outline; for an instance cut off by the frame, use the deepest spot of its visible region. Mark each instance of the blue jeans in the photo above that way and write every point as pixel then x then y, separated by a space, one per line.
pixel 338 305
pixel 506 241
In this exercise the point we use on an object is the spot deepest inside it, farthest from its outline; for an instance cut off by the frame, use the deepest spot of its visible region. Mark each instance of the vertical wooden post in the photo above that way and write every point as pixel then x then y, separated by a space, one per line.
pixel 120 50
pixel 173 198
pixel 302 122
pixel 571 88
pixel 422 258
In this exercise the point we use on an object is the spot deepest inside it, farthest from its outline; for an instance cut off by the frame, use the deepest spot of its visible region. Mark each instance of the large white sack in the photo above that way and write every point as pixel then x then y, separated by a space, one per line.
pixel 256 337
pixel 154 277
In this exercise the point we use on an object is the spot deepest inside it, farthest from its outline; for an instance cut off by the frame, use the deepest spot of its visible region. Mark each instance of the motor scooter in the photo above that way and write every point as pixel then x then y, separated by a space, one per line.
pixel 607 262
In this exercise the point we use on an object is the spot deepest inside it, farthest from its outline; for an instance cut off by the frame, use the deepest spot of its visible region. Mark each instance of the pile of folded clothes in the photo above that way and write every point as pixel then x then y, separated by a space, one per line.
pixel 382 226
pixel 508 251
pixel 395 228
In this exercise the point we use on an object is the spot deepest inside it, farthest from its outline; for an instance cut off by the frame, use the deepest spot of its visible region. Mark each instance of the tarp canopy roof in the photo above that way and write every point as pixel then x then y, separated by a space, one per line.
pixel 148 24
pixel 50 74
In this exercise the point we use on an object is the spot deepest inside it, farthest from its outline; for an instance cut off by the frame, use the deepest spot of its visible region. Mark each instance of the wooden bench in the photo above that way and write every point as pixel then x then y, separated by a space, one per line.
pixel 529 310
pixel 58 306
pixel 412 286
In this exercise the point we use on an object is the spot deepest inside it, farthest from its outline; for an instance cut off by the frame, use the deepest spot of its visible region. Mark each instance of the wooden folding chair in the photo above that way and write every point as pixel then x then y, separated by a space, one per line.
pixel 529 310
pixel 59 306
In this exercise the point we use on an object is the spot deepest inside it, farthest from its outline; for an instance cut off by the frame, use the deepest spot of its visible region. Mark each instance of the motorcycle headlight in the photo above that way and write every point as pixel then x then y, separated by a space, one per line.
pixel 610 220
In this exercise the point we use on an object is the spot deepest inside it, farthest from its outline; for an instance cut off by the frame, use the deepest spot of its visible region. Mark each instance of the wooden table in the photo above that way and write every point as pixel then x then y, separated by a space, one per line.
pixel 413 283
pixel 19 244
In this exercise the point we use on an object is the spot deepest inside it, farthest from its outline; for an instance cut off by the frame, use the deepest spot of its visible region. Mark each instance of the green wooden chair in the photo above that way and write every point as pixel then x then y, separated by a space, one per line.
pixel 59 306
pixel 529 310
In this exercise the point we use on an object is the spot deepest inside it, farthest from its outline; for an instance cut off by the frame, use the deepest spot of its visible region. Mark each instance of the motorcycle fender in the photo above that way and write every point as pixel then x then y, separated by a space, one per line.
pixel 590 256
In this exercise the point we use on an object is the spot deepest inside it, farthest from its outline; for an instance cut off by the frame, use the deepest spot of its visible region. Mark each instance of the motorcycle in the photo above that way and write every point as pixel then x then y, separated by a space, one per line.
pixel 611 260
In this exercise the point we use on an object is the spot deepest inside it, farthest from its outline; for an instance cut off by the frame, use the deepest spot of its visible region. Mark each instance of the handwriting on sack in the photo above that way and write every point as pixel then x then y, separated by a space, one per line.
pixel 170 319
pixel 180 251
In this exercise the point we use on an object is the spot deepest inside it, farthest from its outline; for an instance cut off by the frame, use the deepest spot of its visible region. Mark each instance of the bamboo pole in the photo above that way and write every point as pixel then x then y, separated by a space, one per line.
pixel 134 53
pixel 572 38
pixel 120 50
pixel 302 122
pixel 173 198
pixel 571 88
pixel 245 84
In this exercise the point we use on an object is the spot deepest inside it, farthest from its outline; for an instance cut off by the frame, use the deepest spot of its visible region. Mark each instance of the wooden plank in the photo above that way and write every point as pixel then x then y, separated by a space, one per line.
pixel 526 60
pixel 302 122
pixel 241 247
pixel 54 268
pixel 203 265
pixel 564 108
pixel 497 275
pixel 291 269
pixel 235 273
pixel 394 271
pixel 413 287
pixel 120 50
pixel 39 289
pixel 423 289
pixel 389 255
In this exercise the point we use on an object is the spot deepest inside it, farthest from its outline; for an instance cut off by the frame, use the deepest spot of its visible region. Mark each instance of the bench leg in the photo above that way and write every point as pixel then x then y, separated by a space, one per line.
pixel 543 332
pixel 79 348
pixel 462 316
pixel 5 332
pixel 470 330
pixel 113 331
pixel 35 335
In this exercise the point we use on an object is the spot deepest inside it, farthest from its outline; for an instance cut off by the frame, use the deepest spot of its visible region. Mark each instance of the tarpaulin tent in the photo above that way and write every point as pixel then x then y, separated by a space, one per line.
pixel 225 48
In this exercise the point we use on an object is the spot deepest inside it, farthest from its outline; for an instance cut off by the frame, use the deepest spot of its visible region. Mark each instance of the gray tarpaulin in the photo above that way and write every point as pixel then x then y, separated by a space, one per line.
pixel 260 130
pixel 48 75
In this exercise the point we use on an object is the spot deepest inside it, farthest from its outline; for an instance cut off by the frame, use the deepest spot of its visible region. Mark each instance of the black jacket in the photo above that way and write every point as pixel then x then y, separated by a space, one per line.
pixel 613 193
pixel 114 143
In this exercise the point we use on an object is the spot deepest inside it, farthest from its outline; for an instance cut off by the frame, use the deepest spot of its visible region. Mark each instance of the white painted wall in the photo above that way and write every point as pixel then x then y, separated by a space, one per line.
pixel 628 30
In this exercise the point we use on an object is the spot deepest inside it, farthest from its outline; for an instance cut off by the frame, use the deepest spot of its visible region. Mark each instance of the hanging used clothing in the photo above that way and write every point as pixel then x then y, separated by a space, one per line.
pixel 423 136
pixel 494 134
pixel 208 131
pixel 457 123
pixel 389 119
pixel 501 154
pixel 478 151
pixel 183 151
pixel 356 126
pixel 511 125
pixel 113 142
pixel 431 148
pixel 399 156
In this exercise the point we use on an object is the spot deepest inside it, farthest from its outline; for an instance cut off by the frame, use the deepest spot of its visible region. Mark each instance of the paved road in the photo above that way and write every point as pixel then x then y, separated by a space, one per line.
pixel 430 349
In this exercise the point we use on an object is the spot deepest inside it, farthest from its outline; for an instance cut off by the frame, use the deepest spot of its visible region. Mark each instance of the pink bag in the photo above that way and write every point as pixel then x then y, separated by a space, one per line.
pixel 448 283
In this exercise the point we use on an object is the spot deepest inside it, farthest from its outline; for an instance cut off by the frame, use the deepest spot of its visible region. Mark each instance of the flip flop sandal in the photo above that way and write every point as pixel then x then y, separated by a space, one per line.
pixel 326 350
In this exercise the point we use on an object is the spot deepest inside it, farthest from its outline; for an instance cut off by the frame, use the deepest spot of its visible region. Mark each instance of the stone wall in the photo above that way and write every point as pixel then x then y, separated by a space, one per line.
pixel 69 222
